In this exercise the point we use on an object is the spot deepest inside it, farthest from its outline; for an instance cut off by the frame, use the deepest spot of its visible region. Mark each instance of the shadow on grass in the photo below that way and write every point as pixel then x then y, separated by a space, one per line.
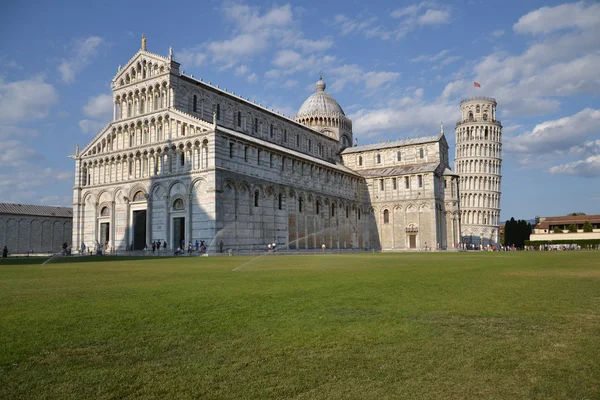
pixel 23 260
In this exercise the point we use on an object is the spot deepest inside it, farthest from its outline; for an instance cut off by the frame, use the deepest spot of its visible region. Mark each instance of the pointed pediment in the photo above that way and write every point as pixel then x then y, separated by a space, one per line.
pixel 143 63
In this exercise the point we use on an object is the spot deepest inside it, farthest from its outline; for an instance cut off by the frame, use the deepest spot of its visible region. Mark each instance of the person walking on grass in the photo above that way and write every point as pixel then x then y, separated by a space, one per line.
pixel 5 252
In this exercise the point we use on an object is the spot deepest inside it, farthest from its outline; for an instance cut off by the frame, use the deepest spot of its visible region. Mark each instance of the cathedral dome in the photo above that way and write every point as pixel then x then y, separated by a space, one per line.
pixel 320 103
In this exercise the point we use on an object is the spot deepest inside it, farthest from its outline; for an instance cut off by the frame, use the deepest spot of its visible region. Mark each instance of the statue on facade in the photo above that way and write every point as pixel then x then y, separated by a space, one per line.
pixel 170 53
pixel 143 42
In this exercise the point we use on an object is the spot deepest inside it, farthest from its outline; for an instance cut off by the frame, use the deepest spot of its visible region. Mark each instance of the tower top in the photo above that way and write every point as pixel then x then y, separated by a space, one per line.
pixel 143 42
pixel 478 98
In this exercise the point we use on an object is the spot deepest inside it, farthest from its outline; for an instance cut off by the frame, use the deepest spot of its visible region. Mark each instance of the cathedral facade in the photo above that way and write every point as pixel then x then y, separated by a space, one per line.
pixel 184 160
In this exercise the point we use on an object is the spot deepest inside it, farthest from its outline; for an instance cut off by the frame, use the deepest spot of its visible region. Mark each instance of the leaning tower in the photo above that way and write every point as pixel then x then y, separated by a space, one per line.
pixel 478 161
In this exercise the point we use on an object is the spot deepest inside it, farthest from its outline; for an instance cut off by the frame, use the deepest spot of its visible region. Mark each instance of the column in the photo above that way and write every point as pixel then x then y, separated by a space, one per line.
pixel 148 220
pixel 127 224
pixel 167 230
pixel 112 224
pixel 188 222
pixel 95 225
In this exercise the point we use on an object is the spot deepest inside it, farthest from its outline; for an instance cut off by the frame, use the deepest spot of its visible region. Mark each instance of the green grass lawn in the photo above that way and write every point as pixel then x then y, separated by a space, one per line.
pixel 360 326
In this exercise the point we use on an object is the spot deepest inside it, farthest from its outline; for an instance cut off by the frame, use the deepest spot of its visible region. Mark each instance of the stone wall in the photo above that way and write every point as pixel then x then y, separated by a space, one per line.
pixel 22 233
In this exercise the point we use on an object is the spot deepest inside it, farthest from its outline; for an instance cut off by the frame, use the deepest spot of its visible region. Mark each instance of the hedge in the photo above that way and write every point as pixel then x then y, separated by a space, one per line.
pixel 580 242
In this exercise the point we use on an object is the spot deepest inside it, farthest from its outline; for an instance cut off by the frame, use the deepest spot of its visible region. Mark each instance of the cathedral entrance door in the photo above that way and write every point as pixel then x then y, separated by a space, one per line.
pixel 412 240
pixel 178 232
pixel 104 234
pixel 139 230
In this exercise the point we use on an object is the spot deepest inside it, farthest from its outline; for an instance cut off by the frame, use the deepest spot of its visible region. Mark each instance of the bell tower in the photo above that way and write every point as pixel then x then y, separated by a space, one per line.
pixel 478 162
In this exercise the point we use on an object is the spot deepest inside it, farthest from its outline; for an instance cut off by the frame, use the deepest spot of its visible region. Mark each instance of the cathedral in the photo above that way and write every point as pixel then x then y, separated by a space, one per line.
pixel 184 160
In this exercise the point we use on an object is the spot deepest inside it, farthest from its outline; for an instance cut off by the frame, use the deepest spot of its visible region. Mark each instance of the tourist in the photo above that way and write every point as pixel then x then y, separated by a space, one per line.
pixel 269 247
pixel 274 244
pixel 190 247
pixel 197 244
pixel 221 246
pixel 153 246
pixel 323 247
pixel 5 252
pixel 164 244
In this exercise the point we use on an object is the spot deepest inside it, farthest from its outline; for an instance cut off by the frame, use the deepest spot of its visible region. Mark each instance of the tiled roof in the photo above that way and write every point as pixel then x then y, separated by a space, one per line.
pixel 397 143
pixel 567 220
pixel 42 211
pixel 398 170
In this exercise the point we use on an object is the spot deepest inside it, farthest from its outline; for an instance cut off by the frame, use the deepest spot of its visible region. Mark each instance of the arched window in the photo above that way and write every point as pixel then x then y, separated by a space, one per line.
pixel 477 109
pixel 178 204
pixel 105 212
pixel 195 105
pixel 420 153
pixel 318 207
pixel 386 217
pixel 399 156
pixel 485 116
pixel 470 116
pixel 280 201
pixel 218 111
pixel 299 204
pixel 360 160
pixel 378 159
pixel 256 195
pixel 139 196
pixel 333 210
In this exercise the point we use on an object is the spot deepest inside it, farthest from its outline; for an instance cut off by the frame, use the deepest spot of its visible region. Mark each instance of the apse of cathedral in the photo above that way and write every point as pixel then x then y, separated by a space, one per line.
pixel 184 160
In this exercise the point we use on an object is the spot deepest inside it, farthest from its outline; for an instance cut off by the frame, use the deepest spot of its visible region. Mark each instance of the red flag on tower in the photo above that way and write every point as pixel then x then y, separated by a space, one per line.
pixel 476 84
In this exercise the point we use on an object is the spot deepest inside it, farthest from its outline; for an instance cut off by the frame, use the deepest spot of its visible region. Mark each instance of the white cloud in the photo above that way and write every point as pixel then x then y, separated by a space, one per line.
pixel 557 135
pixel 587 168
pixel 25 179
pixel 14 153
pixel 421 14
pixel 89 126
pixel 254 33
pixel 25 100
pixel 374 80
pixel 544 20
pixel 252 78
pixel 249 18
pixel 533 82
pixel 241 70
pixel 241 47
pixel 310 46
pixel 84 51
pixel 290 61
pixel 366 27
pixel 290 83
pixel 434 17
pixel 287 58
pixel 406 115
pixel 99 107
pixel 431 58
pixel 192 57
pixel 273 74
pixel 497 33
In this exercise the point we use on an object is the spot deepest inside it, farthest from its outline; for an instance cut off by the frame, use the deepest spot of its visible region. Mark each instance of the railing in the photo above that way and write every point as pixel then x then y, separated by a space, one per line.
pixel 465 121
pixel 478 98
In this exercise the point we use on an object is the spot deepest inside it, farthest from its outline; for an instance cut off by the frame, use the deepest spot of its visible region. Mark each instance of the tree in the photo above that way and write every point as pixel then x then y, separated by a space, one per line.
pixel 516 232
pixel 576 214
pixel 557 229
pixel 587 227
pixel 572 228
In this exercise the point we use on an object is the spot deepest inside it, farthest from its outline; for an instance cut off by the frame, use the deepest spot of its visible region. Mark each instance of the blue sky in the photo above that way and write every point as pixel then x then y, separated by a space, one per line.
pixel 397 68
